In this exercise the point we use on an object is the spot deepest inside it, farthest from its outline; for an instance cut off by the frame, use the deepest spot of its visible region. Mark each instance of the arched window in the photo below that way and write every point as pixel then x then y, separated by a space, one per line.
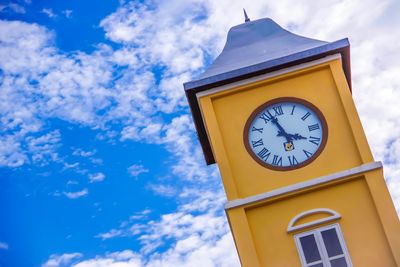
pixel 323 246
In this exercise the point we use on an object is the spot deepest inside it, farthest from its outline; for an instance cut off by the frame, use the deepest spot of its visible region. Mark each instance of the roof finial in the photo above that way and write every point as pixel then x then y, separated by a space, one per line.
pixel 246 18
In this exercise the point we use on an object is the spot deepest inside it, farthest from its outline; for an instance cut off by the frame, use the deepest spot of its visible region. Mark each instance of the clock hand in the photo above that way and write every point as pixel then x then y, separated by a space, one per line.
pixel 297 136
pixel 288 137
pixel 281 131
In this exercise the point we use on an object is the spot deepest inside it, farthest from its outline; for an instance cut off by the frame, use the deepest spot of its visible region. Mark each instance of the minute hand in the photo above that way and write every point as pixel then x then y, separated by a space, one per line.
pixel 281 131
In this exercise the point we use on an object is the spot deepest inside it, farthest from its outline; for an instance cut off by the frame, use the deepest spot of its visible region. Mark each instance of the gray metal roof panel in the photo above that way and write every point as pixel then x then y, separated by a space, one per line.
pixel 265 40
pixel 272 64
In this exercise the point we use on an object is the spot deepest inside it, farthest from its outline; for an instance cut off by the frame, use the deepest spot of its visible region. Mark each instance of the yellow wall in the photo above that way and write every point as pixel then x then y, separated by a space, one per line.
pixel 369 222
pixel 225 114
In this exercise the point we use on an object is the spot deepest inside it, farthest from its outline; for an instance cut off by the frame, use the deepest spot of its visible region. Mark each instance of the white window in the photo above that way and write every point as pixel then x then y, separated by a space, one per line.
pixel 323 247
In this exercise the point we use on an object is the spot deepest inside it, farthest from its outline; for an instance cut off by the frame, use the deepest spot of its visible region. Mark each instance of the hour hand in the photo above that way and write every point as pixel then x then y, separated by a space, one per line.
pixel 297 136
pixel 284 134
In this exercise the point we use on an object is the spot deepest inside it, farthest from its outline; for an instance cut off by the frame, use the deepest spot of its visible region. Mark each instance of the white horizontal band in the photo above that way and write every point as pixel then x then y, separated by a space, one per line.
pixel 303 185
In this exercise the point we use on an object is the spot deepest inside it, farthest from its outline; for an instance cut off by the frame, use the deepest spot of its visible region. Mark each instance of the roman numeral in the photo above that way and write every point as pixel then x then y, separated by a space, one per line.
pixel 293 110
pixel 305 116
pixel 254 129
pixel 313 127
pixel 257 143
pixel 314 140
pixel 292 160
pixel 266 117
pixel 264 154
pixel 277 160
pixel 308 154
pixel 278 110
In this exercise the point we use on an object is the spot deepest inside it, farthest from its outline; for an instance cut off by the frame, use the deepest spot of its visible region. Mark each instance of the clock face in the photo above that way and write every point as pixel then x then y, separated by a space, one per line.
pixel 285 133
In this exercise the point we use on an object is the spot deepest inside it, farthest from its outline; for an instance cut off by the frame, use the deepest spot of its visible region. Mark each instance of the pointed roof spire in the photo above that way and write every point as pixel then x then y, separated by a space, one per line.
pixel 246 18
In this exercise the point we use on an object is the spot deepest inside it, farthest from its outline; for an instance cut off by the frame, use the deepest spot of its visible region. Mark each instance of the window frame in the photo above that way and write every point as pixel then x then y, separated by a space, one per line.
pixel 325 259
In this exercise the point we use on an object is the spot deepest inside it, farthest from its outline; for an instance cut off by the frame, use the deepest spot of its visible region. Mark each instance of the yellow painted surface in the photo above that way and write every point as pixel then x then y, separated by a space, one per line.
pixel 369 222
pixel 243 238
pixel 386 211
pixel 226 113
pixel 362 230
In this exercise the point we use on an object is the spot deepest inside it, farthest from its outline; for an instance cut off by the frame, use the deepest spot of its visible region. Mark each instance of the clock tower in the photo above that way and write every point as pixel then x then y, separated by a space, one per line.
pixel 275 112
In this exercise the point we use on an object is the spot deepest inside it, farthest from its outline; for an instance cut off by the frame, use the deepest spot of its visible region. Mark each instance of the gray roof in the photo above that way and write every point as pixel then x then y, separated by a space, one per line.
pixel 264 40
pixel 254 48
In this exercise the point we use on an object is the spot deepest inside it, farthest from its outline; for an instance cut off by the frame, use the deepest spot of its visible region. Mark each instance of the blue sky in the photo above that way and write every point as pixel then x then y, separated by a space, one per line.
pixel 99 161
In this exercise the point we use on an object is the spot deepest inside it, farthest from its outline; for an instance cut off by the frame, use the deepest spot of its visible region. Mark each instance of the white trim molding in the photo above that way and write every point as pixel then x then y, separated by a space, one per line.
pixel 304 185
pixel 333 216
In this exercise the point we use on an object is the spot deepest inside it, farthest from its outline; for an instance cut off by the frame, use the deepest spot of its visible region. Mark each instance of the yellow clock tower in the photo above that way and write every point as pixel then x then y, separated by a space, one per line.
pixel 275 112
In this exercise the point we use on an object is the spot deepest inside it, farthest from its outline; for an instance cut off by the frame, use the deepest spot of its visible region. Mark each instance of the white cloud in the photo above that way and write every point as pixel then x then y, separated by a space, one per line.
pixel 70 166
pixel 110 234
pixel 17 112
pixel 190 252
pixel 125 229
pixel 27 59
pixel 200 218
pixel 67 13
pixel 43 148
pixel 76 87
pixel 96 161
pixel 11 154
pixel 77 194
pixel 198 240
pixel 76 167
pixel 4 246
pixel 78 152
pixel 96 177
pixel 140 215
pixel 48 12
pixel 40 83
pixel 126 258
pixel 82 153
pixel 13 7
pixel 137 169
pixel 163 190
pixel 57 260
pixel 55 193
pixel 219 253
pixel 174 42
